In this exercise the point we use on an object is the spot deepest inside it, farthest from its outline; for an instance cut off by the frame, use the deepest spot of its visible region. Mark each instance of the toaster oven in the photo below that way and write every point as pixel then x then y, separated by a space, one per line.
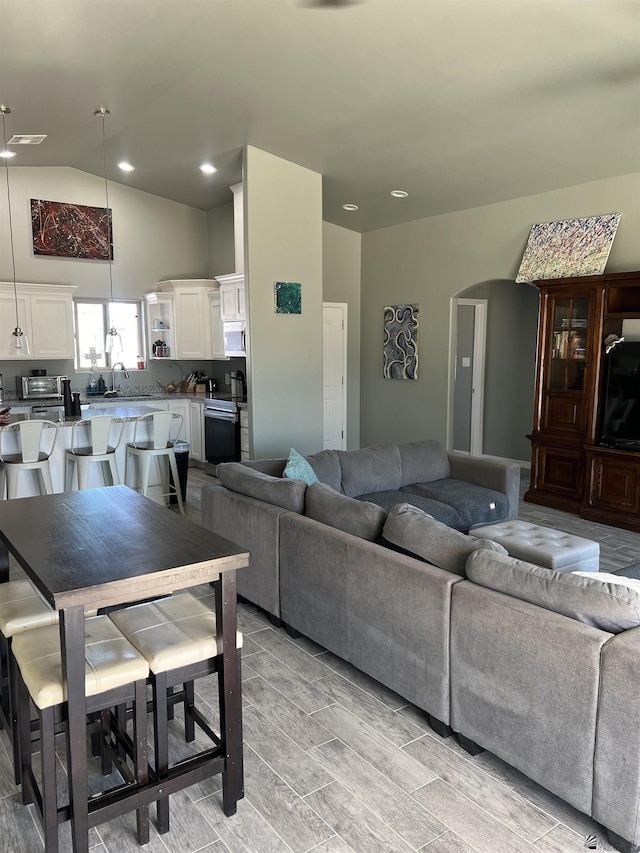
pixel 38 387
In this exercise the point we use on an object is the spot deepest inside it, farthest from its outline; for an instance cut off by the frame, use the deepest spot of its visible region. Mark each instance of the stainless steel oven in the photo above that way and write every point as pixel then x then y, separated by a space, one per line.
pixel 221 432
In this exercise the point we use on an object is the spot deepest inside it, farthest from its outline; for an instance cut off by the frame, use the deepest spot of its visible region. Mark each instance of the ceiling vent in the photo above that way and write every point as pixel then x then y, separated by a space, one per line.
pixel 27 139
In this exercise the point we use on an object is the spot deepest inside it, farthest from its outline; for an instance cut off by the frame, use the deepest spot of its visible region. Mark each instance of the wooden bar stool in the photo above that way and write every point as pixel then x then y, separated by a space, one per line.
pixel 154 437
pixel 177 638
pixel 115 673
pixel 33 445
pixel 21 609
pixel 94 440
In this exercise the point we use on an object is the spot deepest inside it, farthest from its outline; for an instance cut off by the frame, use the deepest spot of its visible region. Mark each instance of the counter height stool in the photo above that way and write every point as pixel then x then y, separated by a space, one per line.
pixel 93 440
pixel 34 445
pixel 115 673
pixel 177 638
pixel 154 437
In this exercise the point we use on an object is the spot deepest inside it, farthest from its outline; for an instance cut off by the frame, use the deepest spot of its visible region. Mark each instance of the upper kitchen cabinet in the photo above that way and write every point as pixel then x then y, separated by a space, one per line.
pixel 45 315
pixel 160 325
pixel 192 337
pixel 232 303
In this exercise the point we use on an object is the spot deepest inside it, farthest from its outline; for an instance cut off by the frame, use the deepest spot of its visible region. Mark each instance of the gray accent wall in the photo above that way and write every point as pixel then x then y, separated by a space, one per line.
pixel 222 259
pixel 430 261
pixel 283 242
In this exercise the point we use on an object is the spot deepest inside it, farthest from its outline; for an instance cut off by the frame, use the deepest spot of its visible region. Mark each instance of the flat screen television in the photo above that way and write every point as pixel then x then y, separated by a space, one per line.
pixel 621 414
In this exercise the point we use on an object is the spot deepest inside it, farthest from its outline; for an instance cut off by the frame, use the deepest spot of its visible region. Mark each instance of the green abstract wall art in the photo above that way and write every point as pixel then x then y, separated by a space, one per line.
pixel 288 297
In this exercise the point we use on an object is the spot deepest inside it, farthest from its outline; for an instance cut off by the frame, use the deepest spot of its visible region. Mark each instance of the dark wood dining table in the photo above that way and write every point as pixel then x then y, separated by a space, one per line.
pixel 108 546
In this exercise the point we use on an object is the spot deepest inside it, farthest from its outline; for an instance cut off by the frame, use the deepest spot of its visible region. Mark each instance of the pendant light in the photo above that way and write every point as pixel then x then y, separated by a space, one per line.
pixel 113 342
pixel 19 344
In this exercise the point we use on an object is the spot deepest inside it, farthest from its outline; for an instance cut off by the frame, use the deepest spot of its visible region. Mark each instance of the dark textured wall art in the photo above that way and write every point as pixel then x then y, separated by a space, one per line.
pixel 400 342
pixel 71 230
pixel 287 297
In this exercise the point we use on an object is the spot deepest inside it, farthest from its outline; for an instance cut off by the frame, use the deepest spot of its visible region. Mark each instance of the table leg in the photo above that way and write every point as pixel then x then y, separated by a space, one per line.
pixel 229 690
pixel 4 563
pixel 72 641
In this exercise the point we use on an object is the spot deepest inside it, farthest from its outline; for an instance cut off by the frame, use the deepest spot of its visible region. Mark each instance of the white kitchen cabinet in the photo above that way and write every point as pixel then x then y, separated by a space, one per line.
pixel 232 301
pixel 182 407
pixel 192 337
pixel 45 315
pixel 160 325
pixel 196 428
pixel 217 330
pixel 245 450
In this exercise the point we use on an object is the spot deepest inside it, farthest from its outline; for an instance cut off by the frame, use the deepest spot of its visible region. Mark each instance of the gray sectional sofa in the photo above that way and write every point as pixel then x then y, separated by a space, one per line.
pixel 537 666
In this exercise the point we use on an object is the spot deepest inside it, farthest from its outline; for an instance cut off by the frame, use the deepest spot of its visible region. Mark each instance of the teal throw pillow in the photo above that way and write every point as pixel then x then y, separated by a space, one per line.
pixel 297 468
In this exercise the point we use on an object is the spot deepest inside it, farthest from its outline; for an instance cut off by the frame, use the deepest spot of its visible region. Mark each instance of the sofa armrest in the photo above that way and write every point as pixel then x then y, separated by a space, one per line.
pixel 255 525
pixel 491 473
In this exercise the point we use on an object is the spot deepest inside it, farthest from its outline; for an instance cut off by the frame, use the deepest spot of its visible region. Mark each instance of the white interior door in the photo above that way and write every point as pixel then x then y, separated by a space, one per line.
pixel 334 375
pixel 469 379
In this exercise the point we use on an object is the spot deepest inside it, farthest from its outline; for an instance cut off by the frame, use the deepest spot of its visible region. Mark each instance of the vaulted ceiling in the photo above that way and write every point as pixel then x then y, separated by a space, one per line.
pixel 459 103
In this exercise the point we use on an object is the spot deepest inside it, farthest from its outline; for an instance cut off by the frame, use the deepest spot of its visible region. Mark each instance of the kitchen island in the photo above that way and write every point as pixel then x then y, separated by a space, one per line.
pixel 128 413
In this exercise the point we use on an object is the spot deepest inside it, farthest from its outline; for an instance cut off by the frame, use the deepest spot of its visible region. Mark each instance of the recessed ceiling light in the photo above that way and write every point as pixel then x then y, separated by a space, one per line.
pixel 350 207
pixel 126 167
pixel 208 168
pixel 7 154
pixel 399 193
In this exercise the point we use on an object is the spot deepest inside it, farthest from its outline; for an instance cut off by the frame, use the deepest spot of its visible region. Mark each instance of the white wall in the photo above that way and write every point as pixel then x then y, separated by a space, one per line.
pixel 341 263
pixel 153 238
pixel 283 242
pixel 429 261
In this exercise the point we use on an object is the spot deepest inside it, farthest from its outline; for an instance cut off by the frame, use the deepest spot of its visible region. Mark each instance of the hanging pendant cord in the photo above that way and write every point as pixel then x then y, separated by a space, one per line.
pixel 104 112
pixel 13 255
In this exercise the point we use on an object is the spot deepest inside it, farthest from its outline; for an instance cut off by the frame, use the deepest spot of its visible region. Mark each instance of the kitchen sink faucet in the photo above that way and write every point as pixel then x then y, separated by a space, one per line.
pixel 113 375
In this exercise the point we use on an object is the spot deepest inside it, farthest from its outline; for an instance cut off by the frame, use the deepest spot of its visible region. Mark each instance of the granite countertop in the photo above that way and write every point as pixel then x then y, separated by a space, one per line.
pixel 127 413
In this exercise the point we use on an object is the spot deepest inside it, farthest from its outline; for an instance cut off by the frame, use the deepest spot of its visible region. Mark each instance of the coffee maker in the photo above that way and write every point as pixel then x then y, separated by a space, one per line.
pixel 238 385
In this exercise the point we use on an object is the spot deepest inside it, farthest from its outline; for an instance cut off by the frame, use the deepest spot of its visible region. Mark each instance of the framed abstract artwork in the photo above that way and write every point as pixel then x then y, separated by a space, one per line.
pixel 71 230
pixel 568 248
pixel 287 297
pixel 400 341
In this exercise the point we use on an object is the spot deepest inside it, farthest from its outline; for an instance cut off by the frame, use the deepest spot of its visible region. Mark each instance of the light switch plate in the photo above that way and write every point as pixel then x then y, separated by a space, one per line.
pixel 466 362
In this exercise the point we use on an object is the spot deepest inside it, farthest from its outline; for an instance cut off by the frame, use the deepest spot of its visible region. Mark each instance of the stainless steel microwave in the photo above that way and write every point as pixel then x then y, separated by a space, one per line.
pixel 234 338
pixel 37 387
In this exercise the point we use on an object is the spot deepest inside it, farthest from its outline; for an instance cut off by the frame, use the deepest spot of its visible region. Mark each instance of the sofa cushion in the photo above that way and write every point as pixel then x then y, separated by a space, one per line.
pixel 390 499
pixel 416 532
pixel 422 462
pixel 297 468
pixel 359 518
pixel 474 504
pixel 326 464
pixel 372 469
pixel 288 494
pixel 610 607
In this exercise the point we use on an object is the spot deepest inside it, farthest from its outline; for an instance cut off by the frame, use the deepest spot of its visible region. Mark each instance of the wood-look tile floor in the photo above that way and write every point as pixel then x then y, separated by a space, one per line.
pixel 334 762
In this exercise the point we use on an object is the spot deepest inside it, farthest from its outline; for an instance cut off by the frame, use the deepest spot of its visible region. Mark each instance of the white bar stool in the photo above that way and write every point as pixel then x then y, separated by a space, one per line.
pixel 161 430
pixel 114 673
pixel 34 443
pixel 177 638
pixel 93 440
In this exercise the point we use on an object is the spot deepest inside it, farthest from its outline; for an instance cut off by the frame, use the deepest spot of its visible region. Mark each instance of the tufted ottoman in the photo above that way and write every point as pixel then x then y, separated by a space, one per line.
pixel 543 546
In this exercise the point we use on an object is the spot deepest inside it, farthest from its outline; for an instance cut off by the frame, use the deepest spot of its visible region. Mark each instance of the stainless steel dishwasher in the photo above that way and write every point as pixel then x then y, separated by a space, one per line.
pixel 221 431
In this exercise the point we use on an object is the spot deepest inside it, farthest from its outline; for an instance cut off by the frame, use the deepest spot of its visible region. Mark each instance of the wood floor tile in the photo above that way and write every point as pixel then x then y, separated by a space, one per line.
pixel 397 728
pixel 297 767
pixel 276 642
pixel 468 779
pixel 189 831
pixel 396 764
pixel 354 822
pixel 473 825
pixel 245 832
pixel 296 688
pixel 300 727
pixel 448 843
pixel 412 823
pixel 334 845
pixel 559 809
pixel 563 840
pixel 362 680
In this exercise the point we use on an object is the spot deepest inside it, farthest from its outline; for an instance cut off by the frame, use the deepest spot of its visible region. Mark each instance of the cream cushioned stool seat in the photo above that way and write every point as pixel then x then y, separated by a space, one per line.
pixel 177 636
pixel 544 546
pixel 114 673
pixel 22 608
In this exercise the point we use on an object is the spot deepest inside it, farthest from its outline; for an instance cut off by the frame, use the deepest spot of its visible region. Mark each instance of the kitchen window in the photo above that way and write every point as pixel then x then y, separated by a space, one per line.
pixel 93 319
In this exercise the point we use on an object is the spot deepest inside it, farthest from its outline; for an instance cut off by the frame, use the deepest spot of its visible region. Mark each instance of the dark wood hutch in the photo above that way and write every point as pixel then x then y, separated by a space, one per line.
pixel 569 469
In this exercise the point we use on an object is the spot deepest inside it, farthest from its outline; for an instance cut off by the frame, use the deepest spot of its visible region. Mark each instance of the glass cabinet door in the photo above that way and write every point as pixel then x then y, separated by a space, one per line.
pixel 568 343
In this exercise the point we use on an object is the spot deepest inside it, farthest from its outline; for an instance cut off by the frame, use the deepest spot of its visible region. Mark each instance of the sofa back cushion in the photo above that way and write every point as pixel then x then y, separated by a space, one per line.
pixel 422 462
pixel 412 530
pixel 359 518
pixel 601 604
pixel 326 464
pixel 372 469
pixel 273 467
pixel 286 493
